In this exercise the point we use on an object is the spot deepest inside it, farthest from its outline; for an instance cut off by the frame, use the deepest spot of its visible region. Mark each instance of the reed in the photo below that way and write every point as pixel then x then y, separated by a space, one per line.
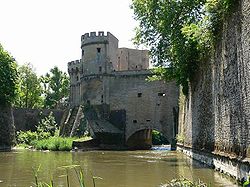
pixel 78 171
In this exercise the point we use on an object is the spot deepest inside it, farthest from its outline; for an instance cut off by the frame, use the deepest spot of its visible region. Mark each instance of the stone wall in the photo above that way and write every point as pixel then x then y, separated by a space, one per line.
pixel 215 116
pixel 27 119
pixel 147 105
pixel 134 103
pixel 132 59
pixel 7 128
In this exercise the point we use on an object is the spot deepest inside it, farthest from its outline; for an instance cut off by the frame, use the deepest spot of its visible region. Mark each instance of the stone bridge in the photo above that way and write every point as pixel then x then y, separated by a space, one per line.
pixel 134 108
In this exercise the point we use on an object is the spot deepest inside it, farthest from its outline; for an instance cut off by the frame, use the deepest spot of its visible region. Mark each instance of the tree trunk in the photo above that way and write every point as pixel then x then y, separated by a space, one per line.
pixel 7 128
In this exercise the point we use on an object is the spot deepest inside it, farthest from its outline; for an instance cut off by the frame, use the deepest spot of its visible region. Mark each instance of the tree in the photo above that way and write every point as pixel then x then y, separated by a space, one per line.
pixel 179 34
pixel 8 78
pixel 56 87
pixel 29 88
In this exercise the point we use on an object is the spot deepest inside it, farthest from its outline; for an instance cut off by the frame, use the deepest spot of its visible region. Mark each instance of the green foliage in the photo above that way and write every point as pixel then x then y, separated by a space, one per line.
pixel 180 34
pixel 46 128
pixel 47 124
pixel 180 138
pixel 8 78
pixel 56 88
pixel 29 88
pixel 54 144
pixel 158 138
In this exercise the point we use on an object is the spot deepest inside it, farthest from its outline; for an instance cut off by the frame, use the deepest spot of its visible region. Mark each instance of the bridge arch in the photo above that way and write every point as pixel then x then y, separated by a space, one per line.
pixel 141 137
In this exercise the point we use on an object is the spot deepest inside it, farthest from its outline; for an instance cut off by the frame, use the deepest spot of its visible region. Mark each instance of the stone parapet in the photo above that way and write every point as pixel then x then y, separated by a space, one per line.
pixel 94 38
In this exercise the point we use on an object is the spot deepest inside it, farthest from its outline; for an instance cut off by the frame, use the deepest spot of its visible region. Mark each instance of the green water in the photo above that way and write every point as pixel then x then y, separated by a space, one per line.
pixel 116 168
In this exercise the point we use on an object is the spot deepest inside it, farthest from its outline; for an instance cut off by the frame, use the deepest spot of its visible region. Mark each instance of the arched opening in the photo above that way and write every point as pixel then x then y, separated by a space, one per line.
pixel 147 139
pixel 141 139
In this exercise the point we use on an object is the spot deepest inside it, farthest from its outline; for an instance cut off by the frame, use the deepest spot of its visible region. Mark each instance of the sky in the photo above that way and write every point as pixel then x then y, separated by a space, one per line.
pixel 47 33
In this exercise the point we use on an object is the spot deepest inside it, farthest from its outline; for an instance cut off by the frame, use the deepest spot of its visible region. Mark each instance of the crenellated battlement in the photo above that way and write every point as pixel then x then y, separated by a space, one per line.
pixel 96 37
pixel 74 62
pixel 94 34
pixel 74 66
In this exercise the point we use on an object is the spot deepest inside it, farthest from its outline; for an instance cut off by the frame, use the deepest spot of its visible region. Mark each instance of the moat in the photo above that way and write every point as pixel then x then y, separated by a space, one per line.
pixel 116 168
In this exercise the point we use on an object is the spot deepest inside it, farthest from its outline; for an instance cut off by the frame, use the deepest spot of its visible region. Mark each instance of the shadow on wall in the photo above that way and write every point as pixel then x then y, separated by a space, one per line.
pixel 27 119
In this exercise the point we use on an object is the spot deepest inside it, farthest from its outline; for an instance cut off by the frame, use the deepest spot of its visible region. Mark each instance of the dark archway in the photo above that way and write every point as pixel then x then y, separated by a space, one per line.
pixel 141 139
pixel 145 138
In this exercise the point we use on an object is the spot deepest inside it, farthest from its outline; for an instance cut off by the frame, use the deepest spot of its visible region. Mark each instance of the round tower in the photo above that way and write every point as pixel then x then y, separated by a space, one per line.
pixel 98 52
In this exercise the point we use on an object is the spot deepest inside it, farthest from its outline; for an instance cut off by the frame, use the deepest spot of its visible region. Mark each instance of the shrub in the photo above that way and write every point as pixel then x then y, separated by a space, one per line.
pixel 29 137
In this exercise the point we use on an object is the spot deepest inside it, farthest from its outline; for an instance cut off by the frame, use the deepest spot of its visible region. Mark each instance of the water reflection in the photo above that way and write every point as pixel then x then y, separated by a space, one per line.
pixel 117 168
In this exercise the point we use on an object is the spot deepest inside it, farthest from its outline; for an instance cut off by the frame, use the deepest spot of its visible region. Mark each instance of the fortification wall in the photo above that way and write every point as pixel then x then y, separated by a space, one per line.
pixel 146 105
pixel 27 119
pixel 215 116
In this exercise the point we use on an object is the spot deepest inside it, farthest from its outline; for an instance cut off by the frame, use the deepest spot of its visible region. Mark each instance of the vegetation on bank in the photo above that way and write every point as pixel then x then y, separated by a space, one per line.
pixel 46 137
pixel 181 34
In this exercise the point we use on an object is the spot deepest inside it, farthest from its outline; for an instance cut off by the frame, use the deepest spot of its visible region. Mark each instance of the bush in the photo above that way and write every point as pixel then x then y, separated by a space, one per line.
pixel 29 137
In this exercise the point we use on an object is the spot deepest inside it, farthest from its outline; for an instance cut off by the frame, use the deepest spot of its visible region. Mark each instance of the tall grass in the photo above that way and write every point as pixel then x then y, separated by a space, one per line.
pixel 54 144
pixel 78 171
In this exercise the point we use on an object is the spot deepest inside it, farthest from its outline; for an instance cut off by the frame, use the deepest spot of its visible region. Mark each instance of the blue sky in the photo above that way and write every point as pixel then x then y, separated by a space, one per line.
pixel 47 32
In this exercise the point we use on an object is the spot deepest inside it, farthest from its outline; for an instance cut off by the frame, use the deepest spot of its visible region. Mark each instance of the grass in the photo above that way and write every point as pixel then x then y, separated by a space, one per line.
pixel 54 144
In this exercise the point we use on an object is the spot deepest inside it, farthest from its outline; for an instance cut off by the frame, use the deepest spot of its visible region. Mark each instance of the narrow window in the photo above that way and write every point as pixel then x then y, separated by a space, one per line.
pixel 135 67
pixel 162 94
pixel 102 99
pixel 82 52
pixel 77 78
pixel 134 121
pixel 98 50
pixel 139 94
pixel 100 69
pixel 88 102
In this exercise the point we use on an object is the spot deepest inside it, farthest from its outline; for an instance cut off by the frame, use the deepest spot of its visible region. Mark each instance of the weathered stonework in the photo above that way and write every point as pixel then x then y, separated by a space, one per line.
pixel 215 116
pixel 7 128
pixel 116 78
pixel 27 119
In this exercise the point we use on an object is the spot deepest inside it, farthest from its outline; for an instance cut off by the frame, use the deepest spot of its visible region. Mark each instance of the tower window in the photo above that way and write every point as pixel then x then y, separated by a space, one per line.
pixel 134 121
pixel 162 94
pixel 98 50
pixel 82 52
pixel 139 94
pixel 77 78
pixel 100 69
